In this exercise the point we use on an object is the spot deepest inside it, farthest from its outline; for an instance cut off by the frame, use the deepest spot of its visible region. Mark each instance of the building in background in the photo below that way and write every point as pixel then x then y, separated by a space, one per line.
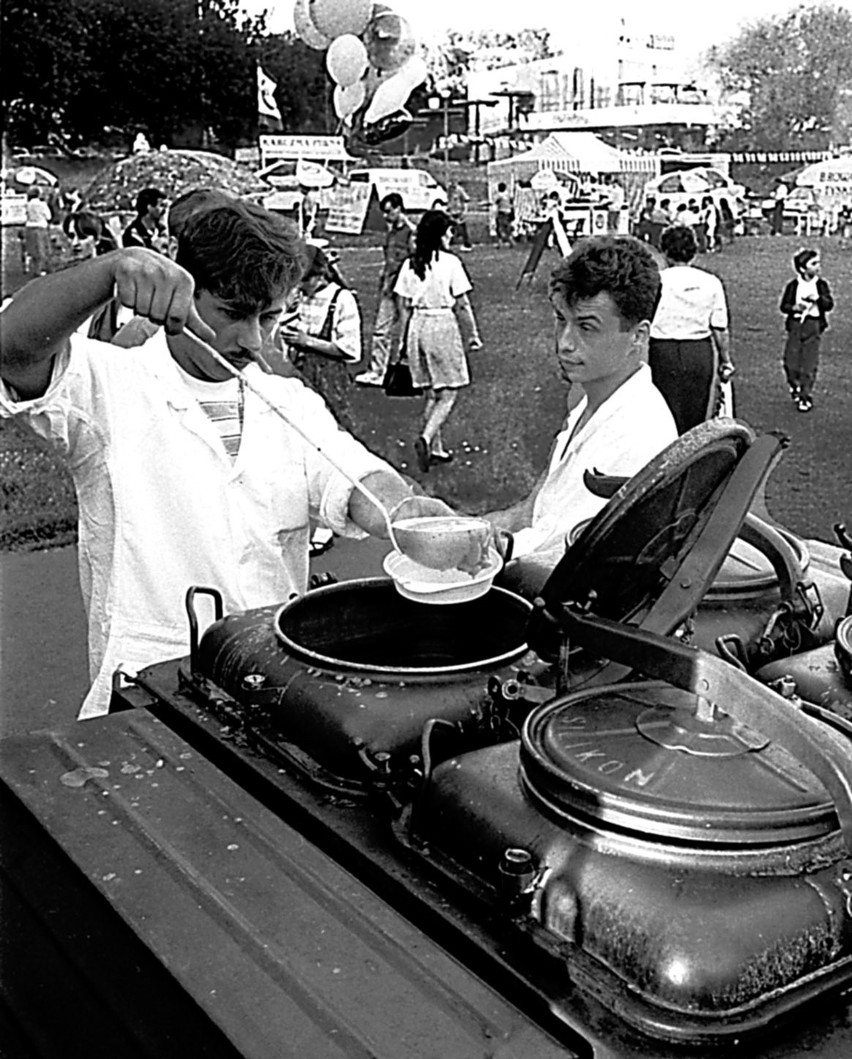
pixel 615 76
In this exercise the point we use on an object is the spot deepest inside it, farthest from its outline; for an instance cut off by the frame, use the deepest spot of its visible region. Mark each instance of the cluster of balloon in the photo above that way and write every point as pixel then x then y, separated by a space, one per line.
pixel 370 56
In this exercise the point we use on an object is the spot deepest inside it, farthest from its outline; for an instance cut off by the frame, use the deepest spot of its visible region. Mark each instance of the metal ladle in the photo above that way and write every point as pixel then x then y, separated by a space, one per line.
pixel 264 366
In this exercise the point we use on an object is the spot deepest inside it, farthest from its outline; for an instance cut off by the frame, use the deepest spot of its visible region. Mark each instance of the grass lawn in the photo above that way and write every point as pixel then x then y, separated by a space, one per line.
pixel 503 424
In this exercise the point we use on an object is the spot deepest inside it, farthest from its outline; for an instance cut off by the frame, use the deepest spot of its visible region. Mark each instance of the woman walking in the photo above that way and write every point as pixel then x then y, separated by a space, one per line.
pixel 689 346
pixel 806 301
pixel 433 289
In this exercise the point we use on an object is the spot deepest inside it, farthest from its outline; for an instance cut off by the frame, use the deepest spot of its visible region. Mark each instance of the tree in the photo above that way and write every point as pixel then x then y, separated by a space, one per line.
pixel 304 88
pixel 793 71
pixel 175 68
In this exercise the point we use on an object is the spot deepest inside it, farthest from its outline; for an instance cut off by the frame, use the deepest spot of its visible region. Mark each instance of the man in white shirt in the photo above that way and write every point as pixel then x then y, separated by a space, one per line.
pixel 37 232
pixel 184 475
pixel 603 298
pixel 615 204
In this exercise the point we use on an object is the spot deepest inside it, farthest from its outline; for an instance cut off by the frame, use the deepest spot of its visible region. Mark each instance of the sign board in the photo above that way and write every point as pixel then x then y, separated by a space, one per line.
pixel 545 231
pixel 831 181
pixel 544 180
pixel 316 148
pixel 14 208
pixel 348 205
pixel 247 155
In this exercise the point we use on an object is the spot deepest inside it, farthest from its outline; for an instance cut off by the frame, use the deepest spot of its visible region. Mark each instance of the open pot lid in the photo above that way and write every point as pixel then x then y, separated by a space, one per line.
pixel 651 554
pixel 638 757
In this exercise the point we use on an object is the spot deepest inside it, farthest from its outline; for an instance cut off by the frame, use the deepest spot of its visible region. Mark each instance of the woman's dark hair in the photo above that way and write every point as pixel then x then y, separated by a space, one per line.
pixel 802 258
pixel 241 253
pixel 433 226
pixel 319 264
pixel 678 244
pixel 85 224
pixel 618 265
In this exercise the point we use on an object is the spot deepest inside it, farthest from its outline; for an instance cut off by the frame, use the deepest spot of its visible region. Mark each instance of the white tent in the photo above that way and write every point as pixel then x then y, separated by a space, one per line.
pixel 831 181
pixel 567 152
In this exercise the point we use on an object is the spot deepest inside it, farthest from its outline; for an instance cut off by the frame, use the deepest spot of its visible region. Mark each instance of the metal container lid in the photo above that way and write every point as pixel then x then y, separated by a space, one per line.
pixel 630 560
pixel 747 572
pixel 639 757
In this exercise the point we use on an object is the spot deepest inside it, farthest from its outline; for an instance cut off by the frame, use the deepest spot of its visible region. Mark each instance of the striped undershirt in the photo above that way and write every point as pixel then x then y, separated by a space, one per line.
pixel 223 404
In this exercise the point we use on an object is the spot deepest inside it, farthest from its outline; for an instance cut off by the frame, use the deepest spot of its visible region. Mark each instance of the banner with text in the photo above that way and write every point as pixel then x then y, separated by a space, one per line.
pixel 348 205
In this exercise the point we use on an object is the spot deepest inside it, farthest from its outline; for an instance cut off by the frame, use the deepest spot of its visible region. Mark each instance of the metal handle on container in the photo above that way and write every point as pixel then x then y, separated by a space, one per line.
pixel 738 695
pixel 777 549
pixel 218 611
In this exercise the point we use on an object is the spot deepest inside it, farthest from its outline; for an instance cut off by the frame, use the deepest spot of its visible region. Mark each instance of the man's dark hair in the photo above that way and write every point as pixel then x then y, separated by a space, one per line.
pixel 191 202
pixel 147 198
pixel 392 201
pixel 617 265
pixel 678 243
pixel 241 253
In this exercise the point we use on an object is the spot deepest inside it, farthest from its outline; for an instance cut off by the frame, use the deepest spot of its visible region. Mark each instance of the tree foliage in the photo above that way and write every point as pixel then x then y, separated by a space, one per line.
pixel 794 72
pixel 177 69
pixel 304 89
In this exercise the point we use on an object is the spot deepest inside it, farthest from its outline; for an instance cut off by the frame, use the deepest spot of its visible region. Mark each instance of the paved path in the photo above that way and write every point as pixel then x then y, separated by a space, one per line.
pixel 43 664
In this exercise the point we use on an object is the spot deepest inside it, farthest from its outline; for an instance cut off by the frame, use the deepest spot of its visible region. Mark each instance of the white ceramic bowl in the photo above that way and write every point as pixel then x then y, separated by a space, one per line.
pixel 424 585
pixel 444 542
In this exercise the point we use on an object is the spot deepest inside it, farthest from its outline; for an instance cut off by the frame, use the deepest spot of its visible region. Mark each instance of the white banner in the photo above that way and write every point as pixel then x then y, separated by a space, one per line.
pixel 316 148
pixel 348 205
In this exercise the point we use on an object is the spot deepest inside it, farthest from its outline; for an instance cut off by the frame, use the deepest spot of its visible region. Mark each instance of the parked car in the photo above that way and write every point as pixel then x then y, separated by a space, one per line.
pixel 419 189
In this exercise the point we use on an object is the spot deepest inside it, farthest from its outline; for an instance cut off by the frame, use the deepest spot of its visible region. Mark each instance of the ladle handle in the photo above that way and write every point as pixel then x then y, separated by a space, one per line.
pixel 368 493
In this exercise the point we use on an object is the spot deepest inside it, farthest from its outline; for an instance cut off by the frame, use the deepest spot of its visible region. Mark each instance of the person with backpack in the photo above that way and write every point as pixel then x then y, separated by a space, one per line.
pixel 323 334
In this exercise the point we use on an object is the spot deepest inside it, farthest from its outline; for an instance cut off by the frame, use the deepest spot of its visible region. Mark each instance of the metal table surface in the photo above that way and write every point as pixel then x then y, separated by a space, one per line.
pixel 153 907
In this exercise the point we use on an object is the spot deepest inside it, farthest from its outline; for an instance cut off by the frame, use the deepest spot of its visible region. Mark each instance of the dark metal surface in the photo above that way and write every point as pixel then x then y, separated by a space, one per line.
pixel 353 671
pixel 218 930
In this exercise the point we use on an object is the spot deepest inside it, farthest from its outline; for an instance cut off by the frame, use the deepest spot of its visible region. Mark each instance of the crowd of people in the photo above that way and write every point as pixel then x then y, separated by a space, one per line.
pixel 182 475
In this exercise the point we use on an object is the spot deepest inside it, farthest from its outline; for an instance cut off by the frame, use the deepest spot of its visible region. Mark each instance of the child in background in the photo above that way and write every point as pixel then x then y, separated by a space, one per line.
pixel 323 334
pixel 806 301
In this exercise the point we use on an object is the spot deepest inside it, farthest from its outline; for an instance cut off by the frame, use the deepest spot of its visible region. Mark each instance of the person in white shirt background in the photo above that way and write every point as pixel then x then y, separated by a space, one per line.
pixel 690 344
pixel 615 204
pixel 433 287
pixel 37 233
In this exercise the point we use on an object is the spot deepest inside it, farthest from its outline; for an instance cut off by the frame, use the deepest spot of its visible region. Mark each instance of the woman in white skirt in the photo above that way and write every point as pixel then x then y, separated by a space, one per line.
pixel 433 289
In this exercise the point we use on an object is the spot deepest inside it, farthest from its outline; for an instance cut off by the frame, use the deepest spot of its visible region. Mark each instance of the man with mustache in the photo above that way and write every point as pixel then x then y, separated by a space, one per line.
pixel 184 476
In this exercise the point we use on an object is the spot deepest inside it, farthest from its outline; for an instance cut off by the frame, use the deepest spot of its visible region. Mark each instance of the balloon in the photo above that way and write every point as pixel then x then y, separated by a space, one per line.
pixel 389 41
pixel 336 17
pixel 348 100
pixel 415 71
pixel 387 128
pixel 305 28
pixel 389 97
pixel 346 59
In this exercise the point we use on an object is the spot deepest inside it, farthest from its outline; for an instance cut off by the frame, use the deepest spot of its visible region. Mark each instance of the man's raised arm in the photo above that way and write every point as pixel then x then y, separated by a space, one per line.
pixel 36 324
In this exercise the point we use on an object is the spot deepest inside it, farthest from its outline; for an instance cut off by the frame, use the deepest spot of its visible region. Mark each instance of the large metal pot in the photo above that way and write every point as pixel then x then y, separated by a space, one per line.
pixel 681 852
pixel 350 673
